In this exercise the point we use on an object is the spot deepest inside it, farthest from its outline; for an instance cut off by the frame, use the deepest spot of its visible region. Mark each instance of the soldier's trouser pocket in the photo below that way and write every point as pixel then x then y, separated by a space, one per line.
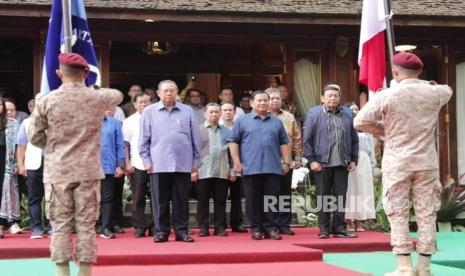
pixel 396 191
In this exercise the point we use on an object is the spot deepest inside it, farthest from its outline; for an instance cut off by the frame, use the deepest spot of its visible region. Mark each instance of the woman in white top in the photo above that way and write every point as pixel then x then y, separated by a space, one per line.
pixel 360 202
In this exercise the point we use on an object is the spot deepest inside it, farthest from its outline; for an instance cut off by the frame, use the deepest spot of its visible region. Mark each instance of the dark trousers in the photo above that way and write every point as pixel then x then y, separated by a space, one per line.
pixel 218 189
pixel 117 212
pixel 332 181
pixel 3 222
pixel 23 192
pixel 166 188
pixel 256 187
pixel 235 195
pixel 35 193
pixel 140 188
pixel 106 195
pixel 22 187
pixel 285 218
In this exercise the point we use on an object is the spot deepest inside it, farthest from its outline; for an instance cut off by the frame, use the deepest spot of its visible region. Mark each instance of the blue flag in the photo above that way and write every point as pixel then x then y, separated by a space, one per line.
pixel 81 44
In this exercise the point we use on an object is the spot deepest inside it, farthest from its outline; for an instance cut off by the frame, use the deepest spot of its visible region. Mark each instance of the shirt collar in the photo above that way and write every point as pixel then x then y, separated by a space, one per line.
pixel 206 124
pixel 280 111
pixel 338 109
pixel 73 85
pixel 255 115
pixel 409 80
pixel 196 107
pixel 162 106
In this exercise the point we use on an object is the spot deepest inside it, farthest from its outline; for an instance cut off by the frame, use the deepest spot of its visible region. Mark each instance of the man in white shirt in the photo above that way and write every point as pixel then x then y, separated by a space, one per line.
pixel 135 166
pixel 227 96
pixel 228 112
pixel 29 158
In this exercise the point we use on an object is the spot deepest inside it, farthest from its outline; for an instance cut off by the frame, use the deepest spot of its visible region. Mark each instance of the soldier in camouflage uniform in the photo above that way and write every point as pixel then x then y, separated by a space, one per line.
pixel 64 125
pixel 406 114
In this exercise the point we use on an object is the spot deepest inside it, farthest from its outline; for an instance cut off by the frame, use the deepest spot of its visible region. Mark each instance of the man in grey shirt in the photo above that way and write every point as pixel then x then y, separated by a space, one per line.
pixel 214 172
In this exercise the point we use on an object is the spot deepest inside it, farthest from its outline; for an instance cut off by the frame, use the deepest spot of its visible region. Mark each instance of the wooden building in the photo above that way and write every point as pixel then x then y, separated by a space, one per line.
pixel 247 44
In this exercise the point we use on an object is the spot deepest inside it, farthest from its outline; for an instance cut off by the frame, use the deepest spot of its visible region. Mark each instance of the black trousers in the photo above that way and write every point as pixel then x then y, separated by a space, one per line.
pixel 23 190
pixel 35 193
pixel 235 195
pixel 106 195
pixel 166 188
pixel 140 189
pixel 285 217
pixel 332 181
pixel 256 188
pixel 218 189
pixel 3 222
pixel 117 212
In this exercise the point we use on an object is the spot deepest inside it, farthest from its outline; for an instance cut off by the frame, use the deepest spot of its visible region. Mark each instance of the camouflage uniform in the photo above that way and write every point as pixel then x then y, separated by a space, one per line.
pixel 64 123
pixel 410 166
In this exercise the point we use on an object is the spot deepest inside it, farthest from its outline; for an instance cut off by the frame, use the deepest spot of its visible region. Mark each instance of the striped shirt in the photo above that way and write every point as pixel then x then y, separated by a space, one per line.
pixel 336 139
pixel 214 152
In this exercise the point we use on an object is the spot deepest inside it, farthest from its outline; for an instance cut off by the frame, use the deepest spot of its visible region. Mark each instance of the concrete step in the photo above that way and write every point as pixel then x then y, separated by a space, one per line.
pixel 127 206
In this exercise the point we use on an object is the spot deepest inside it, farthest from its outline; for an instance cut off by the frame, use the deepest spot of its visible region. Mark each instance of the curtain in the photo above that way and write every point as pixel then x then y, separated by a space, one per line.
pixel 460 96
pixel 307 77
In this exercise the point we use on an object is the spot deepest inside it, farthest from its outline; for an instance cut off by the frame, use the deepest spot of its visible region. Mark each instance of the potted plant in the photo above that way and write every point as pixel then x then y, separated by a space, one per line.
pixel 304 195
pixel 452 205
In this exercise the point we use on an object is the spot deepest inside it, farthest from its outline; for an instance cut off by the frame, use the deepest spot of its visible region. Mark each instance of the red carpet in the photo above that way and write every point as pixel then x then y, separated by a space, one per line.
pixel 255 269
pixel 236 248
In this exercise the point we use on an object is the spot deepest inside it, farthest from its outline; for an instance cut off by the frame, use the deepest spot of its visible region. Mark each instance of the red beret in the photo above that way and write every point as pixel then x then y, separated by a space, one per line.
pixel 407 61
pixel 74 60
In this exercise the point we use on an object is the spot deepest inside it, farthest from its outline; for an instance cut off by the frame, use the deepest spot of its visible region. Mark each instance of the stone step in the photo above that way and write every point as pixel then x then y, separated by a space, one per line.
pixel 192 213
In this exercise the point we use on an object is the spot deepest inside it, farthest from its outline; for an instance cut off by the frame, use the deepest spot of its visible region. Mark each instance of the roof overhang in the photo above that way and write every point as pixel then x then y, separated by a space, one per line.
pixel 232 17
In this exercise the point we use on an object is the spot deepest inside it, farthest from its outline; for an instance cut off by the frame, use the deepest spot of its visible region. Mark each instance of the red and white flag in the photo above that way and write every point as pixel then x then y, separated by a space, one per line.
pixel 371 54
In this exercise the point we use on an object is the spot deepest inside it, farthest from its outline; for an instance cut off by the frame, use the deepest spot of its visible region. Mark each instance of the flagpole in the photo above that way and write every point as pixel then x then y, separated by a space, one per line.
pixel 67 29
pixel 389 29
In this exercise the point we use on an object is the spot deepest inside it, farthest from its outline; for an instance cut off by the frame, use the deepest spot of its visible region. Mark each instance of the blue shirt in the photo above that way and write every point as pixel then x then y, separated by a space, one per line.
pixel 22 136
pixel 111 145
pixel 259 141
pixel 169 139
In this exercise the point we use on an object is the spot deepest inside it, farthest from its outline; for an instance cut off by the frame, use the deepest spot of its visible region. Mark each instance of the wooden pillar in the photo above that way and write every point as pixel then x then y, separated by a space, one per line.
pixel 288 79
pixel 37 61
pixel 453 58
pixel 444 121
pixel 104 49
pixel 258 77
pixel 341 67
